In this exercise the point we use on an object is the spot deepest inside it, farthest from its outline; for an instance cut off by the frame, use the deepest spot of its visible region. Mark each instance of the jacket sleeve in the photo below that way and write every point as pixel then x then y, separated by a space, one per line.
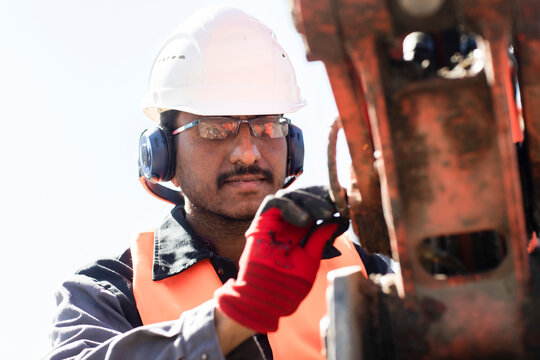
pixel 375 263
pixel 91 323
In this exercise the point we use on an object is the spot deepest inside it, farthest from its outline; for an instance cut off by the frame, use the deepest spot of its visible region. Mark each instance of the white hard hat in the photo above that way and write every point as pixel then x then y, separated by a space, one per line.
pixel 222 61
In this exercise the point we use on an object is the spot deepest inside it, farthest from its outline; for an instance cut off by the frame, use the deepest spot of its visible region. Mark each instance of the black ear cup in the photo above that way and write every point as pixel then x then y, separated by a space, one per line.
pixel 156 155
pixel 295 154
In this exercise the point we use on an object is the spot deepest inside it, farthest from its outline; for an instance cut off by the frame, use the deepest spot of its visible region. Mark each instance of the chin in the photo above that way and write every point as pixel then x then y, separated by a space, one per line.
pixel 241 213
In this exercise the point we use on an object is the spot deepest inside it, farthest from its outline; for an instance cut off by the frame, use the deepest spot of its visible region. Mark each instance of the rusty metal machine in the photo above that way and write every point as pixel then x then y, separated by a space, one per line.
pixel 439 101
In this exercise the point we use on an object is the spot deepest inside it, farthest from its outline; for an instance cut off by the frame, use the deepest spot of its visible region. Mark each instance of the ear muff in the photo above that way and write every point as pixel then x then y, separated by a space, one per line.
pixel 156 155
pixel 295 154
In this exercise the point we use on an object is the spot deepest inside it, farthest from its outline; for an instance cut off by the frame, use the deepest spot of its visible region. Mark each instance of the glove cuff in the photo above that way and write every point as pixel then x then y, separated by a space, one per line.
pixel 260 300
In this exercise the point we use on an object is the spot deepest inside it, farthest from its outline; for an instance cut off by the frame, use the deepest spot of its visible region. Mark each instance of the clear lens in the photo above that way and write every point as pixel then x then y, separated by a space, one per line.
pixel 220 127
pixel 217 127
pixel 270 126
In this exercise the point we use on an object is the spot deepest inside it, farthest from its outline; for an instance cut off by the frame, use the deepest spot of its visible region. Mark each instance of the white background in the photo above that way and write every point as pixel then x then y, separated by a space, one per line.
pixel 72 75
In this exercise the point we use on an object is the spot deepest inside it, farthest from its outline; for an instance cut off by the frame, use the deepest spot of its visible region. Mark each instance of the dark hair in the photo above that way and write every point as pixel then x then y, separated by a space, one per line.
pixel 167 120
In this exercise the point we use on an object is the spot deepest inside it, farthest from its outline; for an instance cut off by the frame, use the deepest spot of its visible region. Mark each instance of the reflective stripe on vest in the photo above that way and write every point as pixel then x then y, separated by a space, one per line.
pixel 298 334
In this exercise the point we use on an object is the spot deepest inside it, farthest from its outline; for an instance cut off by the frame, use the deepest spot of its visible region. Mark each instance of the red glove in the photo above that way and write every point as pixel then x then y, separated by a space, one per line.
pixel 276 270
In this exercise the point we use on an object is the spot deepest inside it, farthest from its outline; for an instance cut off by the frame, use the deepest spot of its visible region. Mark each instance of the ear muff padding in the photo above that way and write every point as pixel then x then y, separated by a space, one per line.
pixel 295 154
pixel 157 159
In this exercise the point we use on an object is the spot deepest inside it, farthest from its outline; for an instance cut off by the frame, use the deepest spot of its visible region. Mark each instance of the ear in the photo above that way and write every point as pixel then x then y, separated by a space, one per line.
pixel 175 182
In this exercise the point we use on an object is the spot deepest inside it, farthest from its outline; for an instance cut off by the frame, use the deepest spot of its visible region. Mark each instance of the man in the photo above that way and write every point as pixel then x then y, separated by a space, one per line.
pixel 209 282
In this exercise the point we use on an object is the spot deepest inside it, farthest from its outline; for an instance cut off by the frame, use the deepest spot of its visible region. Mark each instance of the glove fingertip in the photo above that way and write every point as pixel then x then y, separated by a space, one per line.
pixel 317 240
pixel 289 210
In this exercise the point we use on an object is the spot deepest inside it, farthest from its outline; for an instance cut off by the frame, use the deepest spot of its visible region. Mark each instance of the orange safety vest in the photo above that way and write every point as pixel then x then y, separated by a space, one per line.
pixel 298 335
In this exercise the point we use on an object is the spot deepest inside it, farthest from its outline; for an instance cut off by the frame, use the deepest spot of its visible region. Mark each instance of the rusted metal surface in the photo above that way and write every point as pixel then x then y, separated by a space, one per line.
pixel 337 192
pixel 369 221
pixel 447 170
pixel 527 41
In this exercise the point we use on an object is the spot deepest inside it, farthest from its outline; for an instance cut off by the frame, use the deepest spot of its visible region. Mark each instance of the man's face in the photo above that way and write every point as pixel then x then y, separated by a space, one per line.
pixel 228 177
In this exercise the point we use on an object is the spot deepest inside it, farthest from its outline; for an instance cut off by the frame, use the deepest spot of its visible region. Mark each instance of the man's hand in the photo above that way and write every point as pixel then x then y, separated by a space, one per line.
pixel 283 251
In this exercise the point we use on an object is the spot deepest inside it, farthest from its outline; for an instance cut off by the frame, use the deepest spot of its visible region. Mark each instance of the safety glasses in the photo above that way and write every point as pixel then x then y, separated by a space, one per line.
pixel 221 127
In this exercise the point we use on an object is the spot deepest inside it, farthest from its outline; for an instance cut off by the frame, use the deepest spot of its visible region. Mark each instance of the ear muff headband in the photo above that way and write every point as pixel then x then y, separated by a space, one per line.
pixel 157 160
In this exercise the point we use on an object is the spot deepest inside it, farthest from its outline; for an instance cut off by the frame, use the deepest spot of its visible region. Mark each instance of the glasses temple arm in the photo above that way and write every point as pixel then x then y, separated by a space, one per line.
pixel 185 127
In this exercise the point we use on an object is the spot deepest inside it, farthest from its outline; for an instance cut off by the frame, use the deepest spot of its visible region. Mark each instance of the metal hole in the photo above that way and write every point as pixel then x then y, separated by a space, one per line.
pixel 462 254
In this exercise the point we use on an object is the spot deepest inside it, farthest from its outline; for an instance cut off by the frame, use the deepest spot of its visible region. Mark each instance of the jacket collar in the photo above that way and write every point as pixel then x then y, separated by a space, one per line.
pixel 176 247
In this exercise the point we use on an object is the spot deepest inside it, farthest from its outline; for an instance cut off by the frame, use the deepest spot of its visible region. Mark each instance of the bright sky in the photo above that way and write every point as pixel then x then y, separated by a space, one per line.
pixel 72 75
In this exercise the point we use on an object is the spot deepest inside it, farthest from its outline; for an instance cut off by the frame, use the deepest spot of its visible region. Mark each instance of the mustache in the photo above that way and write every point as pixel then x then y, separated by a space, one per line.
pixel 245 170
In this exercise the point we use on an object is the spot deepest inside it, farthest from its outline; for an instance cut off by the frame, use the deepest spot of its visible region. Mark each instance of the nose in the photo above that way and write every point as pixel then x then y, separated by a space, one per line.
pixel 245 149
